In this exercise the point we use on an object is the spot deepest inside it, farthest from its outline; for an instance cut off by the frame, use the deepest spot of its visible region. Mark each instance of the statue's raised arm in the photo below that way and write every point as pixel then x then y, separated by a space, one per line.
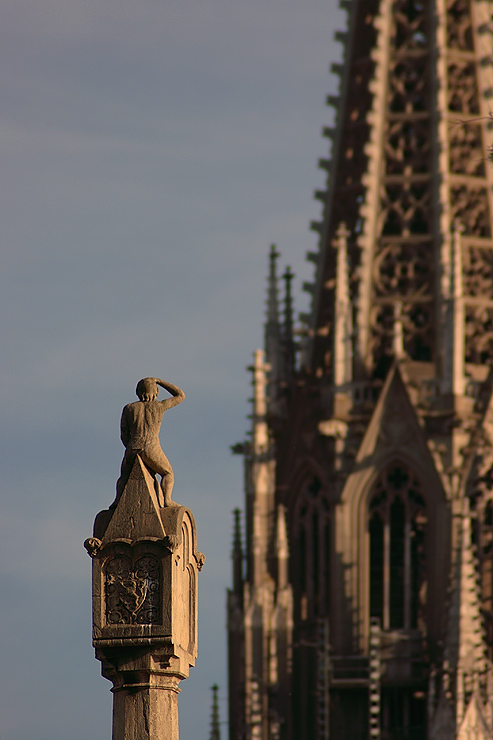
pixel 140 425
pixel 177 394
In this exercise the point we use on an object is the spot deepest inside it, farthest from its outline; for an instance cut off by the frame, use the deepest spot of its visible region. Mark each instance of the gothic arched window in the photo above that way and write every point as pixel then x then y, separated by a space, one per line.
pixel 312 543
pixel 397 528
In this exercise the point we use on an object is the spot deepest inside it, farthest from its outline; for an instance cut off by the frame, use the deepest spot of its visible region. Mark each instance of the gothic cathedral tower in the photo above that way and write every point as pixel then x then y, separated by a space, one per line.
pixel 362 597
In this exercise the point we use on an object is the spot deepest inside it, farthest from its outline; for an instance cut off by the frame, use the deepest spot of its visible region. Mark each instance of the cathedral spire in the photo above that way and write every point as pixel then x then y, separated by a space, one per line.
pixel 288 343
pixel 260 433
pixel 215 726
pixel 272 290
pixel 260 476
pixel 408 161
pixel 273 330
pixel 237 555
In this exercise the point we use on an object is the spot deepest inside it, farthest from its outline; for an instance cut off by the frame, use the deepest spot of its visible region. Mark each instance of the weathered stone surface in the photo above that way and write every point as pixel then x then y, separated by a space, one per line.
pixel 140 425
pixel 145 566
pixel 138 514
pixel 146 713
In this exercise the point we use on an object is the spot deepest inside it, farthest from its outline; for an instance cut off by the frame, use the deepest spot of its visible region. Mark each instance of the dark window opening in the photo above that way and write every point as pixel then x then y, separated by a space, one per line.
pixel 397 523
pixel 311 562
pixel 397 533
pixel 376 566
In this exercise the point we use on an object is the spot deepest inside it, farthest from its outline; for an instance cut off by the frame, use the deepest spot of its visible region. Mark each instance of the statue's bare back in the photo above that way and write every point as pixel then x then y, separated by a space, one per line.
pixel 140 425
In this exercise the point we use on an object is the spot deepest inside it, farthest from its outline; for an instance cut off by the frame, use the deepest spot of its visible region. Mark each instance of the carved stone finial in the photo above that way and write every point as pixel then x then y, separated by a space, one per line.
pixel 140 425
pixel 92 545
pixel 200 558
pixel 289 347
pixel 172 541
pixel 272 299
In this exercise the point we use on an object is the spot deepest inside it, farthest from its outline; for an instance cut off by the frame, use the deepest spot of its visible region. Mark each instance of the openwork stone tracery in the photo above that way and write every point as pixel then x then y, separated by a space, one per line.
pixel 133 590
pixel 403 251
pixel 403 266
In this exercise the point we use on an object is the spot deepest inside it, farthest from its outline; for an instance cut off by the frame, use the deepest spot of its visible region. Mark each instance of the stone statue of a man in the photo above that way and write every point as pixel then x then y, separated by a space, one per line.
pixel 140 426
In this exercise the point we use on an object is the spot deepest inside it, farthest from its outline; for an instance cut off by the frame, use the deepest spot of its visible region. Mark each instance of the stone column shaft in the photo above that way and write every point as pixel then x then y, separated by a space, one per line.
pixel 146 710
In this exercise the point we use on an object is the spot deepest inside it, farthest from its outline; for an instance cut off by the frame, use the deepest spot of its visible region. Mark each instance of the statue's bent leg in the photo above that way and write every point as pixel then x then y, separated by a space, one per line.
pixel 157 461
pixel 167 482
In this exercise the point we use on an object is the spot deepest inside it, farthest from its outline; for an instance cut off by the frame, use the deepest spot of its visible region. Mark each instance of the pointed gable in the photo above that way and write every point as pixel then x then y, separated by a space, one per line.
pixel 394 431
pixel 137 514
pixel 394 445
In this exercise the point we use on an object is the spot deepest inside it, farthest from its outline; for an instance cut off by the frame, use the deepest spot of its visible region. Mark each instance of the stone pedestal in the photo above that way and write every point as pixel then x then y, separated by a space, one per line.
pixel 145 563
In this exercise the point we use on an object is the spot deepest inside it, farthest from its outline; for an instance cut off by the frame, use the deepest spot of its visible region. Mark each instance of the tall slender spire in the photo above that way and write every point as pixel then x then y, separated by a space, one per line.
pixel 273 330
pixel 237 555
pixel 215 726
pixel 288 344
pixel 260 432
pixel 258 684
pixel 272 288
pixel 260 477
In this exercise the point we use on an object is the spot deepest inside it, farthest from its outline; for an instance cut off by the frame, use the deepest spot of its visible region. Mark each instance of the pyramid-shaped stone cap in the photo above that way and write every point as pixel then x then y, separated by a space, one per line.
pixel 137 515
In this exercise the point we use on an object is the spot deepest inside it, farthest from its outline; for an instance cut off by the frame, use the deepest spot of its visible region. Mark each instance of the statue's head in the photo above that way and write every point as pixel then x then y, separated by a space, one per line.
pixel 147 389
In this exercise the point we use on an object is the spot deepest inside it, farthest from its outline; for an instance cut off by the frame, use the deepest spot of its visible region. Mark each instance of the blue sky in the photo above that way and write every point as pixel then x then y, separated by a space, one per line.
pixel 151 152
